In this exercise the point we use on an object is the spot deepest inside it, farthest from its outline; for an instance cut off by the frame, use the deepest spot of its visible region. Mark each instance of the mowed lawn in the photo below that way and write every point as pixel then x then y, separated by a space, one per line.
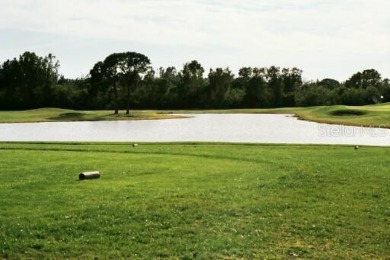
pixel 185 201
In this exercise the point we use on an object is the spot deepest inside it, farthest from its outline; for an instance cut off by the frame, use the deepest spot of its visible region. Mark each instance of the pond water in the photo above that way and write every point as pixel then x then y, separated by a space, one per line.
pixel 248 128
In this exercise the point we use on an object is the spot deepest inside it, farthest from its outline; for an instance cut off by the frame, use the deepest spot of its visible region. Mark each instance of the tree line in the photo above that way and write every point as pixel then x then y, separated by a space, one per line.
pixel 128 81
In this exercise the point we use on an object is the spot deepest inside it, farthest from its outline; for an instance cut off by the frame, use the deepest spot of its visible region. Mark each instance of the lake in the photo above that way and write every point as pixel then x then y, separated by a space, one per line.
pixel 247 128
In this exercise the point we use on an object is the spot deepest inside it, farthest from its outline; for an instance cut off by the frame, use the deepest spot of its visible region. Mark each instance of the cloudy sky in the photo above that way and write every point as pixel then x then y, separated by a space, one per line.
pixel 324 38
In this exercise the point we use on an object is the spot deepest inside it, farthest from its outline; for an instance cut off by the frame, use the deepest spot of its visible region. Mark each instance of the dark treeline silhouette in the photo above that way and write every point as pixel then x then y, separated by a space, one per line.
pixel 127 80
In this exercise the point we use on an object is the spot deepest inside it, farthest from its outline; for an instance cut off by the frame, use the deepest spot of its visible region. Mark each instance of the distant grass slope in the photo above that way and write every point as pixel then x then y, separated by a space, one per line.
pixel 57 114
pixel 184 201
pixel 372 115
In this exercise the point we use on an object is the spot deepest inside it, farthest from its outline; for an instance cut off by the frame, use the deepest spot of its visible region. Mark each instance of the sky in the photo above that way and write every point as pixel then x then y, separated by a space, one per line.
pixel 324 38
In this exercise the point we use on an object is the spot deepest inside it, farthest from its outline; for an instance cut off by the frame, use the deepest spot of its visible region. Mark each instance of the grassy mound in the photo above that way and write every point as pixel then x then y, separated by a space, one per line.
pixel 57 114
pixel 372 116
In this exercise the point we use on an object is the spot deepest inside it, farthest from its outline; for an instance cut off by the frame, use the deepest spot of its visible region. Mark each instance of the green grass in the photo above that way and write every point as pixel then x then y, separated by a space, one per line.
pixel 372 115
pixel 210 201
pixel 57 114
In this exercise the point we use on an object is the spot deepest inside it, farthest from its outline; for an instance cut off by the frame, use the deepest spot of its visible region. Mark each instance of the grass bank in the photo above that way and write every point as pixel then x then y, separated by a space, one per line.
pixel 372 115
pixel 57 114
pixel 211 201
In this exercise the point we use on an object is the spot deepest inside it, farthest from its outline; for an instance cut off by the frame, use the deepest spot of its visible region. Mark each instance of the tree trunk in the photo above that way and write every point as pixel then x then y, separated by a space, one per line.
pixel 128 101
pixel 116 109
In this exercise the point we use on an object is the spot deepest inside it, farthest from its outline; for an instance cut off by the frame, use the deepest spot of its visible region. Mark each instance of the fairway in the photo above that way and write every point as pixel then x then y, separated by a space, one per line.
pixel 212 201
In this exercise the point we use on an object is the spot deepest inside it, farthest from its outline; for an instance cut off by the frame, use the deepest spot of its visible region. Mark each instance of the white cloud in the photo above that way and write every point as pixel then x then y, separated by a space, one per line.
pixel 317 36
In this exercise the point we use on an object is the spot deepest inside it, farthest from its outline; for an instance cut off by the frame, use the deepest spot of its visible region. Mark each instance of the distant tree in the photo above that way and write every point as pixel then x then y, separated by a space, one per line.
pixel 124 68
pixel 133 67
pixel 50 77
pixel 238 91
pixel 28 80
pixel 313 94
pixel 220 81
pixel 125 78
pixel 167 87
pixel 71 93
pixel 372 95
pixel 292 80
pixel 146 94
pixel 275 84
pixel 193 70
pixel 240 86
pixel 329 83
pixel 98 94
pixel 37 75
pixel 257 93
pixel 97 78
pixel 28 76
pixel 112 75
pixel 386 90
pixel 9 85
pixel 191 83
pixel 235 97
pixel 369 77
pixel 245 73
pixel 353 96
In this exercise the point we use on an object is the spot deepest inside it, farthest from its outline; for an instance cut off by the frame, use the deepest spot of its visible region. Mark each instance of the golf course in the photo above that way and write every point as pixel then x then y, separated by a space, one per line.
pixel 194 130
pixel 195 200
